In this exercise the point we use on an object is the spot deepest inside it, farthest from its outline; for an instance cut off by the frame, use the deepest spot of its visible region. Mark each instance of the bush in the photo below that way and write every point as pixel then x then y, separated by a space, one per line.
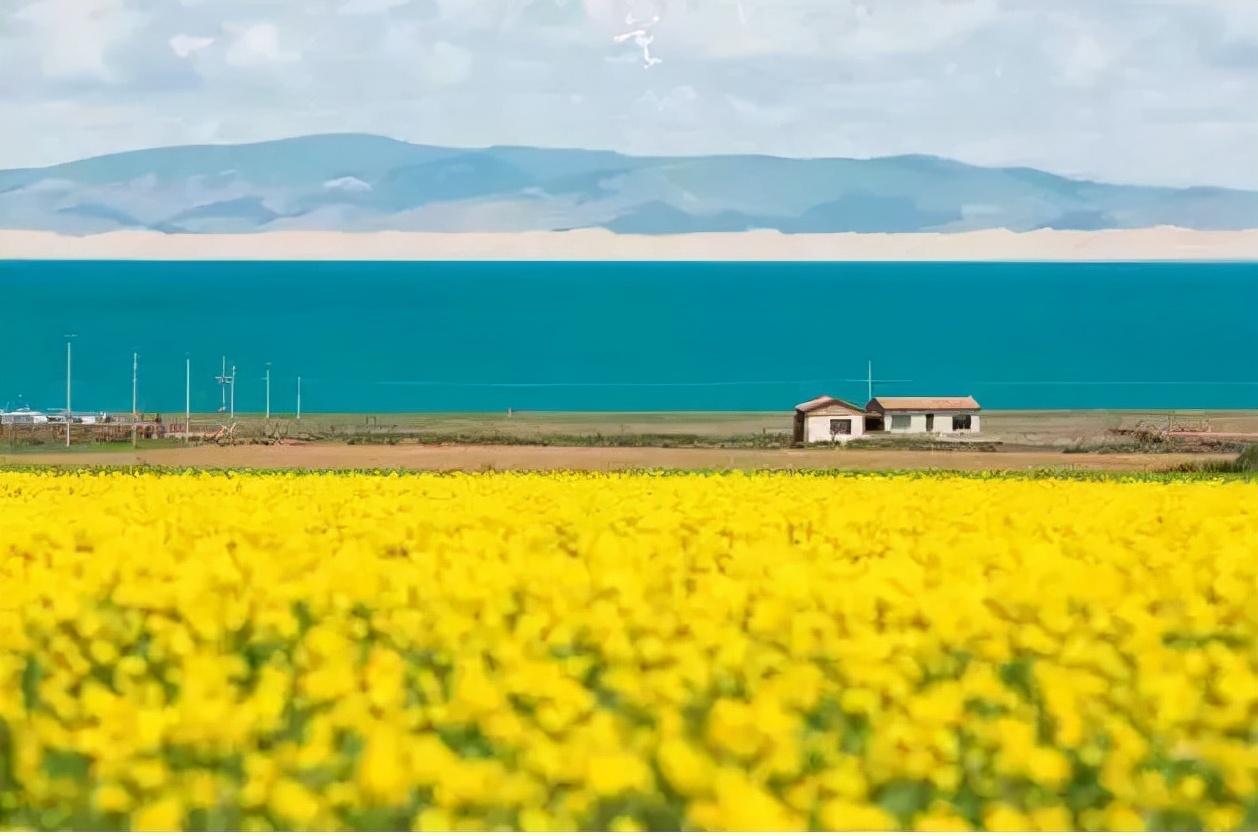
pixel 1245 462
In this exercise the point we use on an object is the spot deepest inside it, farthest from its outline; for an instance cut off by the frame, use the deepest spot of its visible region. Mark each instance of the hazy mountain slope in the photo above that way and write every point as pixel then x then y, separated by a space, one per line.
pixel 357 182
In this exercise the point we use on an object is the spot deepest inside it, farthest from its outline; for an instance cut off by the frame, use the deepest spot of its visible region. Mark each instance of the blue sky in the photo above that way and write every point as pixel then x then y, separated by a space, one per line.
pixel 1138 91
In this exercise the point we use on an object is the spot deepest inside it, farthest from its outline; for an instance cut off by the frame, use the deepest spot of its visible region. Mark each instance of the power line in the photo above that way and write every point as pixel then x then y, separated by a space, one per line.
pixel 584 385
pixel 1116 383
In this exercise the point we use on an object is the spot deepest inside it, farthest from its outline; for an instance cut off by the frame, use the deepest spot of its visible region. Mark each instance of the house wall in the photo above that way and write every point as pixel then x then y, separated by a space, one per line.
pixel 817 425
pixel 917 422
pixel 943 422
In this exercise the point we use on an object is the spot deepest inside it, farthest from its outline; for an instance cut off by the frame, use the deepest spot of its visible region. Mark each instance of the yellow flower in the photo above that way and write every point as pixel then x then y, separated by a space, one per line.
pixel 844 815
pixel 1123 818
pixel 293 803
pixel 112 798
pixel 612 775
pixel 164 814
pixel 1223 819
pixel 941 823
pixel 1192 788
pixel 769 648
pixel 431 819
pixel 1048 767
pixel 381 776
pixel 743 805
pixel 689 771
pixel 103 651
pixel 846 779
pixel 1052 819
pixel 1005 819
pixel 732 727
pixel 149 774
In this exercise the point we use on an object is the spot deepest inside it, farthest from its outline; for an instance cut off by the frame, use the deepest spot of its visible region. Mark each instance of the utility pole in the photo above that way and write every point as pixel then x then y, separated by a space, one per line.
pixel 233 394
pixel 870 380
pixel 69 414
pixel 299 398
pixel 268 390
pixel 222 380
pixel 135 377
pixel 187 399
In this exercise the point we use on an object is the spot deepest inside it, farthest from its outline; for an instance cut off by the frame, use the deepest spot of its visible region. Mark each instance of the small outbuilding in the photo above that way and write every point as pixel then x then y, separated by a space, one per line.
pixel 827 420
pixel 926 415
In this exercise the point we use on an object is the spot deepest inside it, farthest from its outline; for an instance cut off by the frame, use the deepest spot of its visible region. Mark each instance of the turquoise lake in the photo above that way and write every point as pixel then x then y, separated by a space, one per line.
pixel 628 336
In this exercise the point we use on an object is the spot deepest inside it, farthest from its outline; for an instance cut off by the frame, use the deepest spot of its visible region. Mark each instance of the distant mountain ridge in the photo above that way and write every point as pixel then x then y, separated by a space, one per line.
pixel 353 182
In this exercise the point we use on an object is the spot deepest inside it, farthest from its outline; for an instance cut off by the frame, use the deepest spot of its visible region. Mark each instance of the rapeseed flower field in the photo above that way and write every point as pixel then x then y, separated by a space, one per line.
pixel 626 652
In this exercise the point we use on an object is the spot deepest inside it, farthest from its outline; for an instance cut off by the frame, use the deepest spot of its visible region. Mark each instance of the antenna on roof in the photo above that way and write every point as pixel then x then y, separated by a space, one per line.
pixel 870 381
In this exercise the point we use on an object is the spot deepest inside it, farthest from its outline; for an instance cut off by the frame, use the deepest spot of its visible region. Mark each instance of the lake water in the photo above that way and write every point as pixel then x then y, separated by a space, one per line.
pixel 629 336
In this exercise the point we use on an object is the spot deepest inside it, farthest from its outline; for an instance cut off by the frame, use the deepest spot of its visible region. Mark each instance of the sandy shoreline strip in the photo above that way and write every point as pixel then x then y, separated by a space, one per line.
pixel 1158 244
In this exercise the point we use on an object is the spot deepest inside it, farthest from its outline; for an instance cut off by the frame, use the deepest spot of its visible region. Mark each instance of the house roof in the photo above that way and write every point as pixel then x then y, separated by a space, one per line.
pixel 827 400
pixel 924 404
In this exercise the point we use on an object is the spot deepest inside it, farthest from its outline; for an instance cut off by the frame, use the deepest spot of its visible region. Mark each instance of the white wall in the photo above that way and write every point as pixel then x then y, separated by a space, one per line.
pixel 917 422
pixel 817 427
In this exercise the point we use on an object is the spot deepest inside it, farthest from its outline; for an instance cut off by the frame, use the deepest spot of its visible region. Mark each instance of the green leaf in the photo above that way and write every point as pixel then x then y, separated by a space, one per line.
pixel 466 741
pixel 904 799
pixel 32 675
pixel 62 763
pixel 1019 677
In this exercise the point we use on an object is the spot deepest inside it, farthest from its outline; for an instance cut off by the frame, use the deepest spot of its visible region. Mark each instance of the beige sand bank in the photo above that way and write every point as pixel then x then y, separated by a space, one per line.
pixel 1162 243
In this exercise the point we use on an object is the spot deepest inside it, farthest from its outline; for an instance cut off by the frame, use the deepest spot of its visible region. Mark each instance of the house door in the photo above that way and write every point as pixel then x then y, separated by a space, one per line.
pixel 930 423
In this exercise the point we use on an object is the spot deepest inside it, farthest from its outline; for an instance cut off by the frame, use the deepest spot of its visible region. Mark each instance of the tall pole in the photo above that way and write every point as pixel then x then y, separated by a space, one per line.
pixel 299 398
pixel 222 381
pixel 187 399
pixel 233 394
pixel 869 380
pixel 135 374
pixel 268 390
pixel 69 337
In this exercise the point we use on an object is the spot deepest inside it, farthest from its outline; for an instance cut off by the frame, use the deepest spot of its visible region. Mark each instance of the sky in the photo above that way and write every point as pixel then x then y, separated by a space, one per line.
pixel 1131 91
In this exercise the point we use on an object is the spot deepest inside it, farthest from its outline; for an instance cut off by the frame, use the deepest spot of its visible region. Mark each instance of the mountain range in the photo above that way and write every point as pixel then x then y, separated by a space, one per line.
pixel 354 182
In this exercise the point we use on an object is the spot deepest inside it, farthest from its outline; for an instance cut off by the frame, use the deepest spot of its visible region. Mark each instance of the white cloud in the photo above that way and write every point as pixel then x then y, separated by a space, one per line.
pixel 443 64
pixel 259 45
pixel 367 7
pixel 186 46
pixel 1124 90
pixel 72 37
pixel 762 114
pixel 1084 63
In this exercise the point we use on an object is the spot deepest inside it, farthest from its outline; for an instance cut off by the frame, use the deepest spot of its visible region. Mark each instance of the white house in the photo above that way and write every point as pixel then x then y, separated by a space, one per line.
pixel 828 420
pixel 927 415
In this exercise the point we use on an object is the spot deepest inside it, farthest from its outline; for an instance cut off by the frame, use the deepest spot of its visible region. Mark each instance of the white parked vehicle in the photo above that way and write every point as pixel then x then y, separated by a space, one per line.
pixel 24 415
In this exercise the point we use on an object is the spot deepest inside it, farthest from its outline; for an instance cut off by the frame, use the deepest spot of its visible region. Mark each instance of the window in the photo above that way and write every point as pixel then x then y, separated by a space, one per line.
pixel 930 423
pixel 899 422
pixel 961 422
pixel 840 426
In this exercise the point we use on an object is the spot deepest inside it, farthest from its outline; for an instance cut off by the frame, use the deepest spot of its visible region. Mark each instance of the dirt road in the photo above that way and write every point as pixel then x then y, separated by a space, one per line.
pixel 416 457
